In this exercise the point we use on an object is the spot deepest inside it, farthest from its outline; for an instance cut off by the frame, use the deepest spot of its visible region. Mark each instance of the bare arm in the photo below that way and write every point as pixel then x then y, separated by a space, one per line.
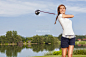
pixel 67 16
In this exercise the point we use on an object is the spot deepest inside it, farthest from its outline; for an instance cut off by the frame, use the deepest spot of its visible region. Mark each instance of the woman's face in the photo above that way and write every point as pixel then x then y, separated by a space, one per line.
pixel 62 10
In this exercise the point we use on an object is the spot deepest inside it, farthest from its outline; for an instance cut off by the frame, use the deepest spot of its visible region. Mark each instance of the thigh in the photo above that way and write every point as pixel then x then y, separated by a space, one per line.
pixel 64 51
pixel 70 49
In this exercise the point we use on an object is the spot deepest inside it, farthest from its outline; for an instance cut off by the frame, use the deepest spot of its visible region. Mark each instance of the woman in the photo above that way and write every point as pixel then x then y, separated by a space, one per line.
pixel 68 36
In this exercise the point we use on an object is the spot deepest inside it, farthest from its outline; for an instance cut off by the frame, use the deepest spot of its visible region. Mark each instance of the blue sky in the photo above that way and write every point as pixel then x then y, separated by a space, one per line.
pixel 19 15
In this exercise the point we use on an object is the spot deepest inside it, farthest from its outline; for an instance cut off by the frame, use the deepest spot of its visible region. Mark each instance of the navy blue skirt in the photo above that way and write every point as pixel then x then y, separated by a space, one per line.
pixel 65 42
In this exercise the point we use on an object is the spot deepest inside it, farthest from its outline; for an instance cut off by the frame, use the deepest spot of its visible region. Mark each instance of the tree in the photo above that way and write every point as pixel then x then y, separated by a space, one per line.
pixel 37 39
pixel 3 39
pixel 0 39
pixel 9 36
pixel 59 37
pixel 18 38
pixel 23 39
pixel 41 39
pixel 14 36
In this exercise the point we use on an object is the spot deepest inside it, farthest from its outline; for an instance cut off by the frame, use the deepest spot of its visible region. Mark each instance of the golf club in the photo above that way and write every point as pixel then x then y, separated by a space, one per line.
pixel 38 11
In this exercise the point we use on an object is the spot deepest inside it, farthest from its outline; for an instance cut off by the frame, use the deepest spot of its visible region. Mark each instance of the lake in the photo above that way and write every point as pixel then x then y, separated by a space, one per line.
pixel 31 50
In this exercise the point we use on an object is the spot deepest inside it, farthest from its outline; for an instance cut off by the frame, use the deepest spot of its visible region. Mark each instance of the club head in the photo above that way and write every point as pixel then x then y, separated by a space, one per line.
pixel 37 12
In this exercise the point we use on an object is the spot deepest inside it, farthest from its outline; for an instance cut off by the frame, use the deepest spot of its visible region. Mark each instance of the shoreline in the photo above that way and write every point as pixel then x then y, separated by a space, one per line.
pixel 76 42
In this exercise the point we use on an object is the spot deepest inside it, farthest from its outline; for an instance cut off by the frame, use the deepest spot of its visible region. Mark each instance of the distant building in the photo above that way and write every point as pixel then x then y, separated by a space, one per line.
pixel 20 43
pixel 29 45
pixel 84 39
pixel 29 42
pixel 79 39
pixel 79 44
pixel 84 44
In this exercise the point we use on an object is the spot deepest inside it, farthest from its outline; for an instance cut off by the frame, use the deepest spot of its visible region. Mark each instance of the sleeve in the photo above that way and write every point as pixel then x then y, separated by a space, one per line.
pixel 60 15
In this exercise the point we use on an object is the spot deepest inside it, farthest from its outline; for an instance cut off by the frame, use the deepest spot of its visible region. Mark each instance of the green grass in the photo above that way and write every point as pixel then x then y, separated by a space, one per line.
pixel 60 56
pixel 80 42
pixel 76 42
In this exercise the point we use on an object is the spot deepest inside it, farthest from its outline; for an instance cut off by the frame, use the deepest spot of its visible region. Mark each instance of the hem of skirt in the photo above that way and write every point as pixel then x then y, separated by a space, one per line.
pixel 65 47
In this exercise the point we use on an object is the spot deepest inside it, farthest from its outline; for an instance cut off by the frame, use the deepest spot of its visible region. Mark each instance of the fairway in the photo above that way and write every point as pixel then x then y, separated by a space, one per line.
pixel 60 56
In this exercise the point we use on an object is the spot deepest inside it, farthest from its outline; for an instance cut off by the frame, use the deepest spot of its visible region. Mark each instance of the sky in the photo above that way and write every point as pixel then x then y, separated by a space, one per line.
pixel 19 15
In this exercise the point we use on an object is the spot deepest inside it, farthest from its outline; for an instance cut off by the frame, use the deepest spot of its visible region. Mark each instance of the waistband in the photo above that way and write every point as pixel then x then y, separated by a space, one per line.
pixel 69 36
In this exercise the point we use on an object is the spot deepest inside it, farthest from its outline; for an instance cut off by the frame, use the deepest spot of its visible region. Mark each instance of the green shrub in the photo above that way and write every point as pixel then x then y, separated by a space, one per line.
pixel 79 52
pixel 80 42
pixel 49 53
pixel 57 52
pixel 75 52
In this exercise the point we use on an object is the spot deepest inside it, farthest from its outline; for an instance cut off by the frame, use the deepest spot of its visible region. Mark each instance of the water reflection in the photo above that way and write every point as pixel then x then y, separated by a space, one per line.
pixel 12 51
pixel 47 47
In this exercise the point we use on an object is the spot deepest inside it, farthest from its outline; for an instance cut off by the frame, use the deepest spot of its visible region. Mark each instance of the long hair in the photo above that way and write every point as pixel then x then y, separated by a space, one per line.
pixel 58 10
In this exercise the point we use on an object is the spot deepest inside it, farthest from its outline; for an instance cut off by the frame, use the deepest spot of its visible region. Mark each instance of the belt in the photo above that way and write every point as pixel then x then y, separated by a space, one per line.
pixel 69 36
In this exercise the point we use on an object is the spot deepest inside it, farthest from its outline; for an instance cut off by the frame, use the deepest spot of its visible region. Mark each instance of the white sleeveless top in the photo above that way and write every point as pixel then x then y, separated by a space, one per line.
pixel 66 26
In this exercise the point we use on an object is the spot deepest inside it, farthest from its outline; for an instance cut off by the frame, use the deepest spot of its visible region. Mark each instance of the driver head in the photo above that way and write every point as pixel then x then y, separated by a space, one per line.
pixel 37 12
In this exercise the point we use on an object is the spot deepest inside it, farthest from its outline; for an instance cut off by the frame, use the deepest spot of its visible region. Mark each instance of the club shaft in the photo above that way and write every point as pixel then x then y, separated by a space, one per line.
pixel 48 12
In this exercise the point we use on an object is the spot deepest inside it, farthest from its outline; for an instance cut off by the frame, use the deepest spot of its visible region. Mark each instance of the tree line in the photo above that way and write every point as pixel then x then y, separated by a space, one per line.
pixel 13 37
pixel 76 38
pixel 12 51
pixel 10 37
pixel 44 39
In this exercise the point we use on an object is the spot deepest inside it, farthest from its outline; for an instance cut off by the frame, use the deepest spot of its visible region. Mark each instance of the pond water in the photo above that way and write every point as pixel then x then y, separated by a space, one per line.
pixel 31 50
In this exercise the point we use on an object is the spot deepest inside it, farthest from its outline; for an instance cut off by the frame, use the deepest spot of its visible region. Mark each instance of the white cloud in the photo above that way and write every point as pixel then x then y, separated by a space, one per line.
pixel 15 8
pixel 76 9
pixel 75 0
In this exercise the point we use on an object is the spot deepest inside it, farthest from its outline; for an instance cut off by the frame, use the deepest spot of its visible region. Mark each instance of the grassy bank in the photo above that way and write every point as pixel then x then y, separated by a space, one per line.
pixel 77 42
pixel 60 56
pixel 80 42
pixel 23 43
pixel 59 42
pixel 9 44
